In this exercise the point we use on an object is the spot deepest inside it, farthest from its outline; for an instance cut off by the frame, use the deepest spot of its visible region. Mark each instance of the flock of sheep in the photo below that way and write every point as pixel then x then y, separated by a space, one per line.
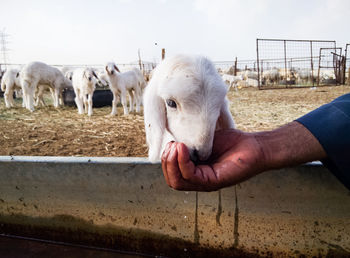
pixel 273 76
pixel 35 77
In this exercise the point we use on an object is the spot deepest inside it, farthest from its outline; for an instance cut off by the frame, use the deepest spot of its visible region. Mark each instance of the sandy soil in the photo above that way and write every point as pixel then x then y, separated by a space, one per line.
pixel 62 132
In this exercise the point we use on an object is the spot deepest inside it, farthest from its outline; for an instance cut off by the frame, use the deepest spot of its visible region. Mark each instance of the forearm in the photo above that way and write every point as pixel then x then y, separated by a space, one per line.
pixel 289 145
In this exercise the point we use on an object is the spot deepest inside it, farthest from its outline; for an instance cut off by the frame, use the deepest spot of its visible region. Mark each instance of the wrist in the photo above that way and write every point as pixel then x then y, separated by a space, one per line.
pixel 288 145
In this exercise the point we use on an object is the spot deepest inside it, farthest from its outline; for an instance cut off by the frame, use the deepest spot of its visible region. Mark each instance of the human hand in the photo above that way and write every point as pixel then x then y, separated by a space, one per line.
pixel 236 156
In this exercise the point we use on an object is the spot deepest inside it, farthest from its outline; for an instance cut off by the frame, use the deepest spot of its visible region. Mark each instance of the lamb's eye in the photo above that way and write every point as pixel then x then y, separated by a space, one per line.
pixel 171 103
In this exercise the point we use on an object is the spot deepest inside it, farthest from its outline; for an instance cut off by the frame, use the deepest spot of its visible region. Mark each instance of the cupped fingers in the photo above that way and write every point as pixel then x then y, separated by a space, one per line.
pixel 165 160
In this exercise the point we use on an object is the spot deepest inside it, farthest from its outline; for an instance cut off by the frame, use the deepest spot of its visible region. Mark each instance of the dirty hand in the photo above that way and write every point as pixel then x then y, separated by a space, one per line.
pixel 236 156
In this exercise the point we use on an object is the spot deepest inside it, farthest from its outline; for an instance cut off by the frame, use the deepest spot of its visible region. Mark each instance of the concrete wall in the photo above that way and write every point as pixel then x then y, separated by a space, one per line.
pixel 124 203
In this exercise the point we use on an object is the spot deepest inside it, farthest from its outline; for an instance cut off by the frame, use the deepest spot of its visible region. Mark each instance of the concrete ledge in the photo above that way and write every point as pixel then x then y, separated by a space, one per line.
pixel 124 203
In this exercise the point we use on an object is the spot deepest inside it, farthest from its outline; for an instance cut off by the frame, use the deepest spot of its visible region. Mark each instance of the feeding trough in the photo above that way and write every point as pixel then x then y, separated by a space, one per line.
pixel 125 204
pixel 101 98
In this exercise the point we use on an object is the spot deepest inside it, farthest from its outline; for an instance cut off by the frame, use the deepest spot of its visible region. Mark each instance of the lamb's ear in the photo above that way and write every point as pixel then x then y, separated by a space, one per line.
pixel 225 120
pixel 95 75
pixel 115 67
pixel 155 121
pixel 106 68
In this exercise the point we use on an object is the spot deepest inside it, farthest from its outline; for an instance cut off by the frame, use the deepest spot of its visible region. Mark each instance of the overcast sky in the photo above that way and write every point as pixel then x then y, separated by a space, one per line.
pixel 95 32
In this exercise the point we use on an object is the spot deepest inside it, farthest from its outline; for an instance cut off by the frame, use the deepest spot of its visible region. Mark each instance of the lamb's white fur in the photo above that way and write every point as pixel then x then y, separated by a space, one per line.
pixel 202 107
pixel 9 83
pixel 121 83
pixel 36 73
pixel 84 83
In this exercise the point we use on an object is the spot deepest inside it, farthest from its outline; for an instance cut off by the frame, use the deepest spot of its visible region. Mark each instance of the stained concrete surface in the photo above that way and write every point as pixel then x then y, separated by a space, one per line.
pixel 125 203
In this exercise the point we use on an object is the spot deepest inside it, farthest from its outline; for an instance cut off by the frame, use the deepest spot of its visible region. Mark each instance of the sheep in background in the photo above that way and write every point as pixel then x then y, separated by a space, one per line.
pixel 103 78
pixel 36 73
pixel 303 75
pixel 271 76
pixel 185 101
pixel 232 80
pixel 84 83
pixel 9 83
pixel 121 83
pixel 248 83
pixel 250 75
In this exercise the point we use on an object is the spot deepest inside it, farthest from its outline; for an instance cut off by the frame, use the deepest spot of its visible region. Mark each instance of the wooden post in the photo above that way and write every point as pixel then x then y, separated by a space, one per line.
pixel 140 62
pixel 235 69
pixel 163 53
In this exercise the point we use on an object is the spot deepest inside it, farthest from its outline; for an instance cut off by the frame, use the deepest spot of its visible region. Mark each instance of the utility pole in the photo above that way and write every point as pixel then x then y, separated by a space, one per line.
pixel 3 47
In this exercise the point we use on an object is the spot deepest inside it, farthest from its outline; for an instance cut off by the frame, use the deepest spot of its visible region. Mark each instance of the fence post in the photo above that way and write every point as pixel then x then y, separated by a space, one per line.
pixel 319 68
pixel 257 61
pixel 140 62
pixel 312 65
pixel 285 62
pixel 235 68
pixel 163 53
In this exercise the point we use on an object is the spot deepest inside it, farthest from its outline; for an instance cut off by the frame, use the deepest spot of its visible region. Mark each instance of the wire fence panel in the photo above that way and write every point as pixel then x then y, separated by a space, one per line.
pixel 329 66
pixel 347 65
pixel 289 63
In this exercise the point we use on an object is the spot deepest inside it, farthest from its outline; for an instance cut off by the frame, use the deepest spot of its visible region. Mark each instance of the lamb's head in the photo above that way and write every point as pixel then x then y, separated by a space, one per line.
pixel 90 76
pixel 185 98
pixel 111 68
pixel 66 83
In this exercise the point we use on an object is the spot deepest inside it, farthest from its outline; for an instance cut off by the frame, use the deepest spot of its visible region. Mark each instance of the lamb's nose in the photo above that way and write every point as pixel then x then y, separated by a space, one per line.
pixel 194 155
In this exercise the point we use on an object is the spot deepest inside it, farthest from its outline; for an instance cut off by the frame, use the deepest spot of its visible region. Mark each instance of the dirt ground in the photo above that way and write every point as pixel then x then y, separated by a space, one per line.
pixel 62 132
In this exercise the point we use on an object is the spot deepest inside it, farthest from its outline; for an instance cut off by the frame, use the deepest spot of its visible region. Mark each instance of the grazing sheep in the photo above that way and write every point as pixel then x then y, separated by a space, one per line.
pixel 36 73
pixel 121 83
pixel 9 83
pixel 84 83
pixel 185 101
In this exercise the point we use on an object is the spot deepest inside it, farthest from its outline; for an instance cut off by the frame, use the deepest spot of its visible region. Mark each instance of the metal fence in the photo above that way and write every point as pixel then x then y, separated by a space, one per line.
pixel 295 63
pixel 347 66
pixel 234 67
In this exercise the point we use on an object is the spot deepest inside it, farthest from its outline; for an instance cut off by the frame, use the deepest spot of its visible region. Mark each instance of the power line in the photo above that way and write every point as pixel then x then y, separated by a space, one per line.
pixel 3 47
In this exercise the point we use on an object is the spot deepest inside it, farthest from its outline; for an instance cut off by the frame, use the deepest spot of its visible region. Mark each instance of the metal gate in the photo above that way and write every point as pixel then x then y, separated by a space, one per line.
pixel 285 63
pixel 330 66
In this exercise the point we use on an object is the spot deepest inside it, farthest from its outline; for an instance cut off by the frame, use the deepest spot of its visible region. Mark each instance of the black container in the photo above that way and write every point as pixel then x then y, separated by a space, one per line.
pixel 101 98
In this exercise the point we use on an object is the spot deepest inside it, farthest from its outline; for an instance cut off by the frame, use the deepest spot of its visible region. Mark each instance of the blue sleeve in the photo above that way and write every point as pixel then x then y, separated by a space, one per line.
pixel 330 124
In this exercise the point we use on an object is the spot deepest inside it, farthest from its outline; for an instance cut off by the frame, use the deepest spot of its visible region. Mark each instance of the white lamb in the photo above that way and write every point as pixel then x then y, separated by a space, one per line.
pixel 36 73
pixel 232 80
pixel 84 84
pixel 9 83
pixel 185 101
pixel 121 83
